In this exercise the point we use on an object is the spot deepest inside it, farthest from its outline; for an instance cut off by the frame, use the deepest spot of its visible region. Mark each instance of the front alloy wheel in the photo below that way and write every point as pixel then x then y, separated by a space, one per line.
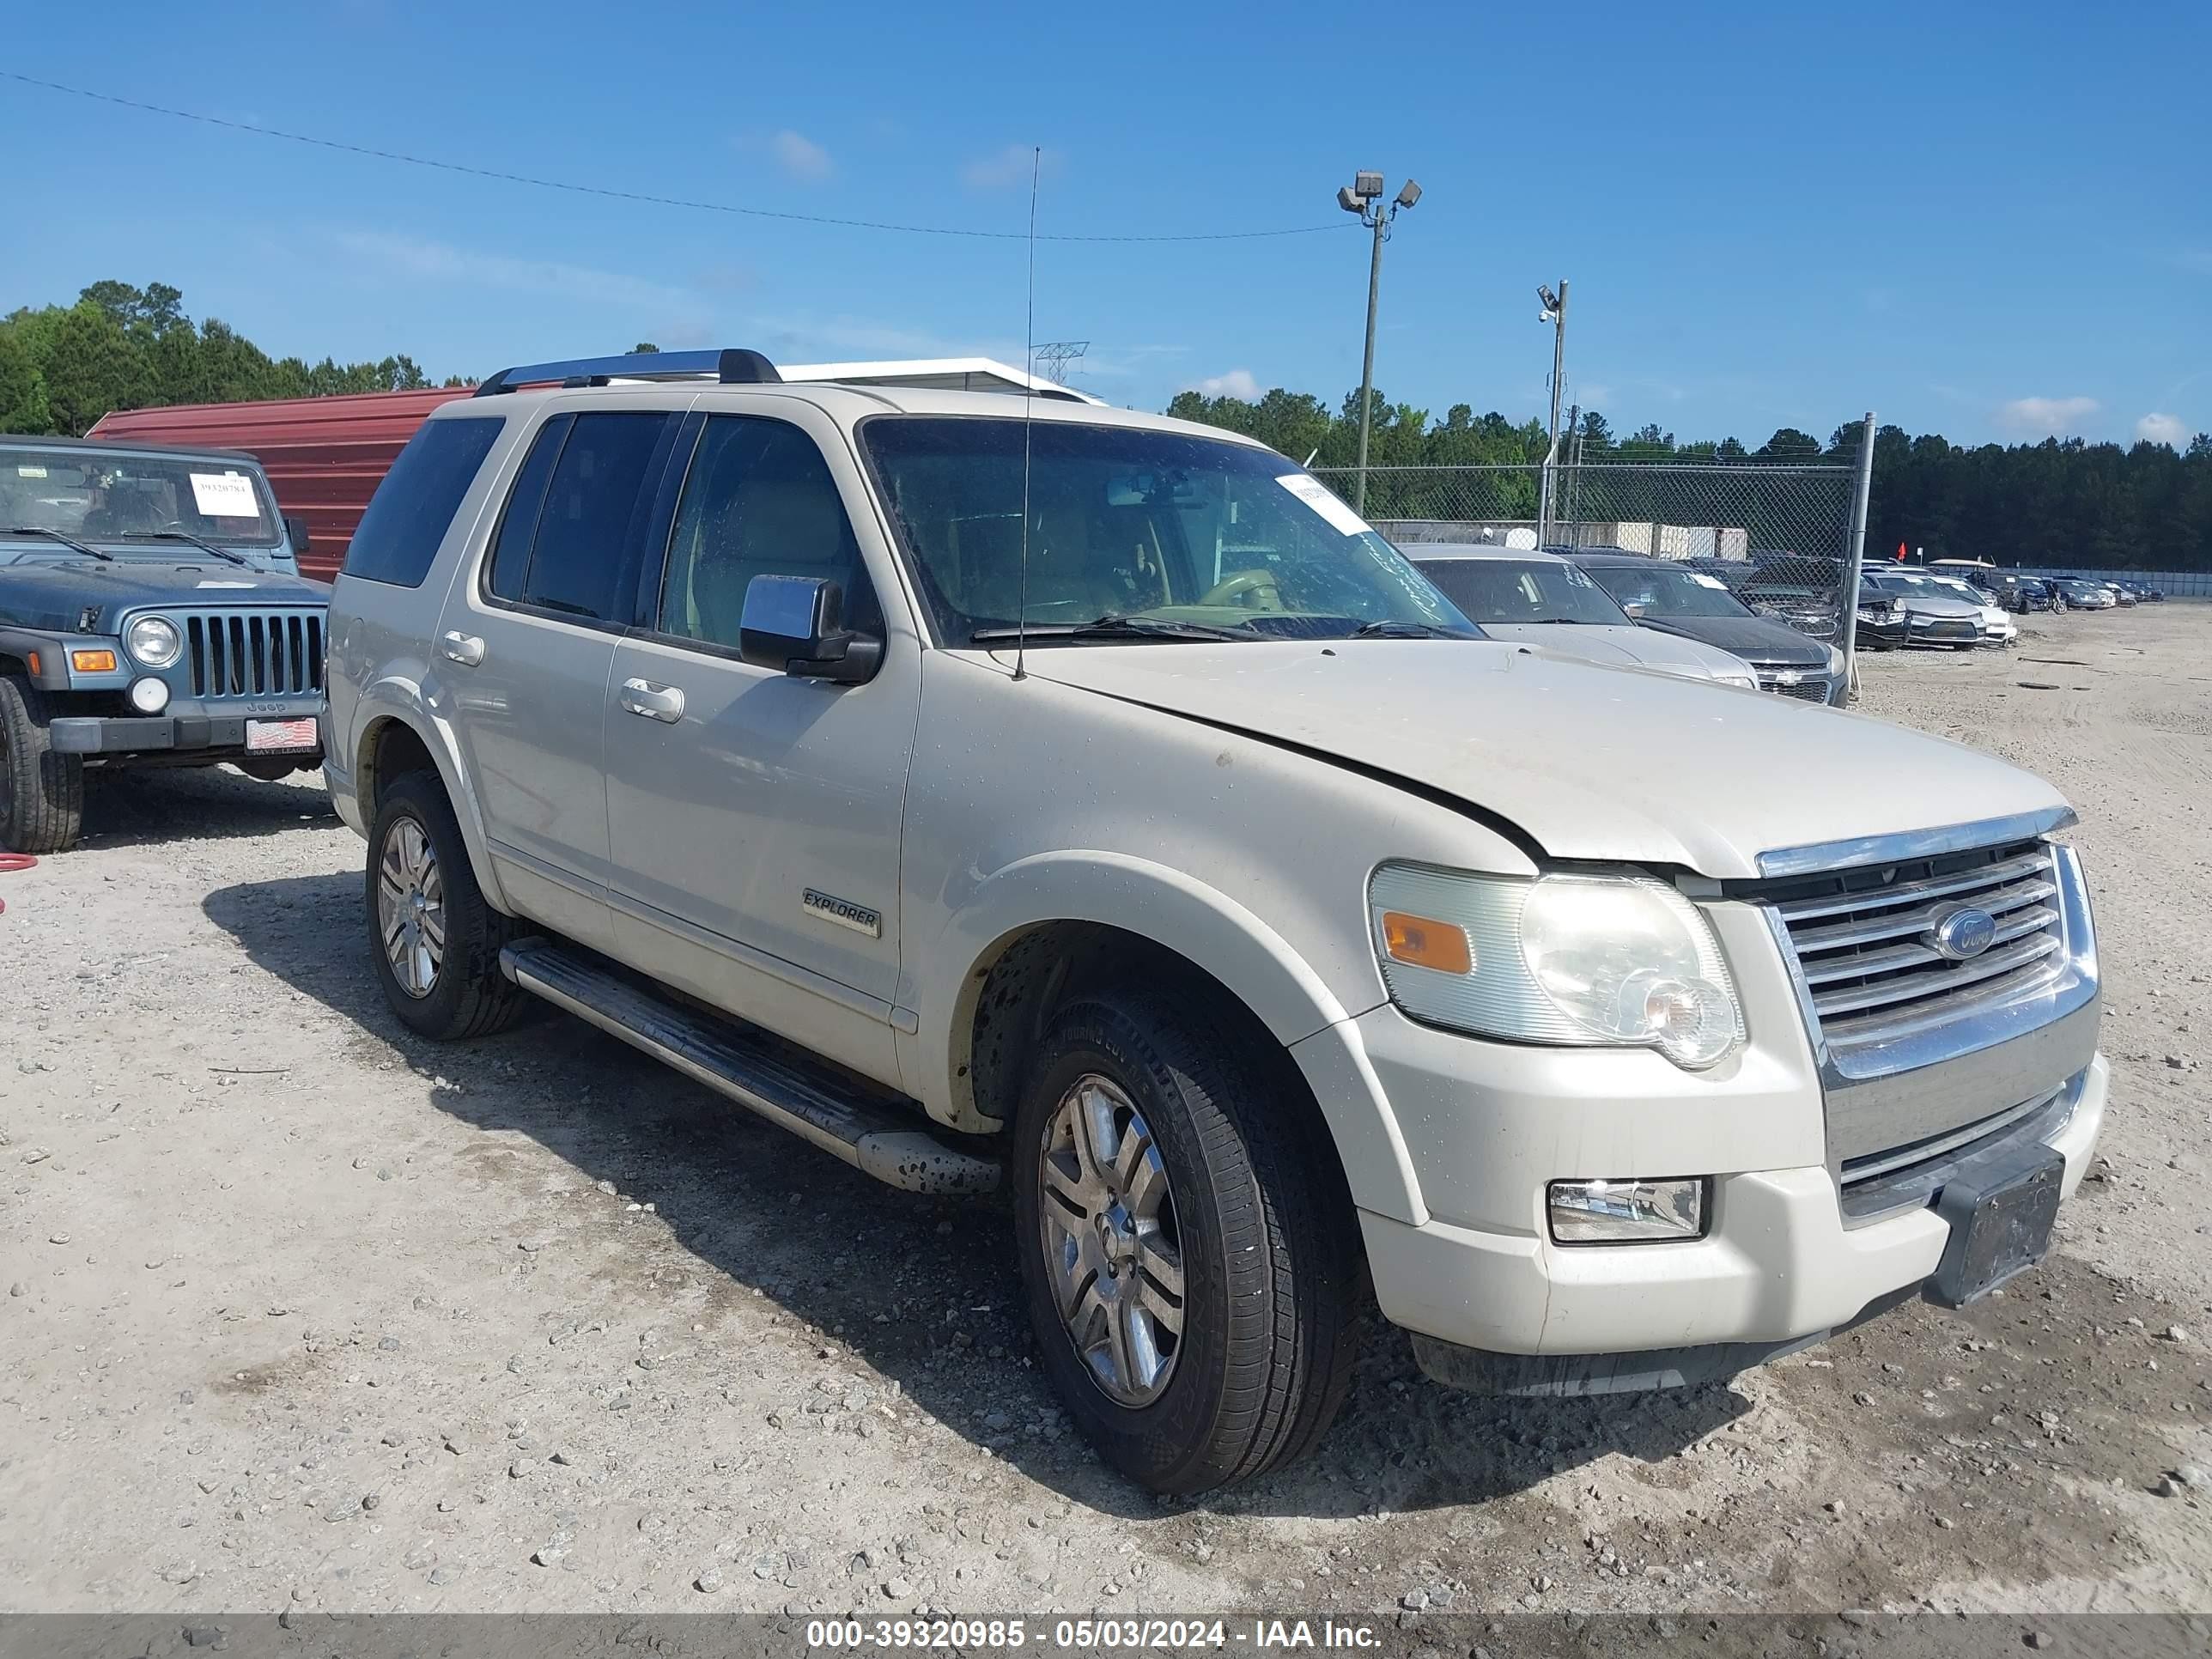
pixel 1113 1251
pixel 410 907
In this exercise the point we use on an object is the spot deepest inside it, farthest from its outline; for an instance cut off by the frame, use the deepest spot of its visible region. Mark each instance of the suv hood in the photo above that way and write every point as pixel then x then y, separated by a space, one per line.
pixel 1755 638
pixel 55 595
pixel 1596 763
pixel 1623 647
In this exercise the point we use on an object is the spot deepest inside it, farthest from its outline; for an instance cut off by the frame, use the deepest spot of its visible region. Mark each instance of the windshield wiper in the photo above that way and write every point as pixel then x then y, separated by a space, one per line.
pixel 57 536
pixel 187 536
pixel 1395 629
pixel 1111 627
pixel 1571 622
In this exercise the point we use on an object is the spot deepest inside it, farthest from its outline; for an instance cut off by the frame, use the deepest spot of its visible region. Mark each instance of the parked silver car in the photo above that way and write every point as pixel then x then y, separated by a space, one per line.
pixel 1934 615
pixel 990 790
pixel 1540 598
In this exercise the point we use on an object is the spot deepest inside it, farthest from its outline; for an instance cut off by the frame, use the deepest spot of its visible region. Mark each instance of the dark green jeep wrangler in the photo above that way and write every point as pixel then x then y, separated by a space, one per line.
pixel 152 613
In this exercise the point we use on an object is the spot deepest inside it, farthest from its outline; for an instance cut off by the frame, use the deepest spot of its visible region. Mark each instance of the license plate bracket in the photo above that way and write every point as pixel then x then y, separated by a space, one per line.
pixel 2001 1207
pixel 281 736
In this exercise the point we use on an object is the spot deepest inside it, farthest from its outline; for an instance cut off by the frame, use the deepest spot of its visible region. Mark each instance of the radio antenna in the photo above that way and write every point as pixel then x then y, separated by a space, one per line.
pixel 1029 392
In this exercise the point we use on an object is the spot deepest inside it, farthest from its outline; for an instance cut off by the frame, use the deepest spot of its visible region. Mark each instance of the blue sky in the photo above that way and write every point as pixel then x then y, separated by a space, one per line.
pixel 1991 221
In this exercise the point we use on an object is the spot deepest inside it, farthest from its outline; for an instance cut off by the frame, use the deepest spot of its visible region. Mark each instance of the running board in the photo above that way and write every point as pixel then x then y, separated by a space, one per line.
pixel 813 1103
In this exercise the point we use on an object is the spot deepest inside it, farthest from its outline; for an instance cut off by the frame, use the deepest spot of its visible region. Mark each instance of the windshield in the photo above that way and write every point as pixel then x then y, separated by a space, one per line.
pixel 1523 591
pixel 126 501
pixel 1665 590
pixel 1128 522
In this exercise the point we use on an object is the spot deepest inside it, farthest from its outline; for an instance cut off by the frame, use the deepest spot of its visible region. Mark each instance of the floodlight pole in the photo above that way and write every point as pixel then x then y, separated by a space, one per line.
pixel 1364 197
pixel 1544 509
pixel 1378 221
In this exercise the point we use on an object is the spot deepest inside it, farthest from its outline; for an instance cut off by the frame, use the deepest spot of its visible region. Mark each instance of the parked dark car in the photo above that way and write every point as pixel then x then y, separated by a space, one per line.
pixel 151 614
pixel 1883 621
pixel 1662 594
pixel 1812 610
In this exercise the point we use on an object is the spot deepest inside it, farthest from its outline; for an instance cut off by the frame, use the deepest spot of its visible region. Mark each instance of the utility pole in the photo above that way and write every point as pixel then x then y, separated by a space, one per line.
pixel 1555 312
pixel 1574 476
pixel 1856 547
pixel 1362 197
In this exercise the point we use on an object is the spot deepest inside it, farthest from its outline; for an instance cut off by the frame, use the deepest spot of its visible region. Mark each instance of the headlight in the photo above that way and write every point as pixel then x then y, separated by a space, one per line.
pixel 1748 680
pixel 1835 660
pixel 154 641
pixel 1621 961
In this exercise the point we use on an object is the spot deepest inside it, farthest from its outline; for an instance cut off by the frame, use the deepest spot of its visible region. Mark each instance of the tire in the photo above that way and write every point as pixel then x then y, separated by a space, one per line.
pixel 41 793
pixel 453 988
pixel 1257 1222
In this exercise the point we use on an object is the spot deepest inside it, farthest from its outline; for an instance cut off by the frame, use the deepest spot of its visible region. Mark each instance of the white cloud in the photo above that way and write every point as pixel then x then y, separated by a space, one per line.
pixel 1003 168
pixel 803 161
pixel 1237 383
pixel 2168 429
pixel 442 262
pixel 2047 417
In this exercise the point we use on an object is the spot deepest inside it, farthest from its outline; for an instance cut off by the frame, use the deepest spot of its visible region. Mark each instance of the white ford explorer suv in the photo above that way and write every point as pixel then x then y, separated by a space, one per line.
pixel 1009 790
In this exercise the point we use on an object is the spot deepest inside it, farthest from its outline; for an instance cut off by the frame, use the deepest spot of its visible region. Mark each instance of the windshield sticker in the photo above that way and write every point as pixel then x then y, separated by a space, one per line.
pixel 1699 577
pixel 1324 500
pixel 25 471
pixel 225 584
pixel 225 496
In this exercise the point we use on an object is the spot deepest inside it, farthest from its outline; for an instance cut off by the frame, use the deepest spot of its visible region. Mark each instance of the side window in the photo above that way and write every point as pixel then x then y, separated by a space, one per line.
pixel 398 535
pixel 760 502
pixel 599 482
pixel 518 526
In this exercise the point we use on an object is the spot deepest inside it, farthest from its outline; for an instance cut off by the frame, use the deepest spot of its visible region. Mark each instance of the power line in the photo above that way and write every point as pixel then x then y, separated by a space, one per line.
pixel 632 195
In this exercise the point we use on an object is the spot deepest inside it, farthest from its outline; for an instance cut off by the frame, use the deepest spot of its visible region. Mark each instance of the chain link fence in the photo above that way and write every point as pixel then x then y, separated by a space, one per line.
pixel 1780 536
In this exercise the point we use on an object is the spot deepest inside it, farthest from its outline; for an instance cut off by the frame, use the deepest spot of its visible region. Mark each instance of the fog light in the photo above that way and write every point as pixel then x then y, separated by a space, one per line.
pixel 1630 1212
pixel 148 695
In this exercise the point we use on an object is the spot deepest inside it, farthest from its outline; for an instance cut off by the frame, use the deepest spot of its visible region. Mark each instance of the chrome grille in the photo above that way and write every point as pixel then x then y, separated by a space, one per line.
pixel 1902 1178
pixel 1811 687
pixel 1864 941
pixel 253 653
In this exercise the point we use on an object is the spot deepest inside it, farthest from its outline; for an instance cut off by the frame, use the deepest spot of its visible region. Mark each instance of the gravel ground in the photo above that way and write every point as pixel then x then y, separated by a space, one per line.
pixel 301 1312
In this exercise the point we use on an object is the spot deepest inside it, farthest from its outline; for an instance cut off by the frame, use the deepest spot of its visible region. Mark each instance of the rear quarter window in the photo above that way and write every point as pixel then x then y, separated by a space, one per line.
pixel 407 517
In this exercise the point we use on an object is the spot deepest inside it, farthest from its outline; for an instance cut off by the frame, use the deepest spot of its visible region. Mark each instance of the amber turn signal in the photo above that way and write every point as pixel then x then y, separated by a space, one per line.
pixel 92 662
pixel 1423 942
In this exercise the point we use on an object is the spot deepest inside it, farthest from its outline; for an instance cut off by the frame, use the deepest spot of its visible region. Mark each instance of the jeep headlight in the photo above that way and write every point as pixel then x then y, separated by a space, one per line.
pixel 154 641
pixel 1621 961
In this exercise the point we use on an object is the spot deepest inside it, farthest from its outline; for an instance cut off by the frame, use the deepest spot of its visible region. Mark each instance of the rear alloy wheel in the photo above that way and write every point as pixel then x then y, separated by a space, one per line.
pixel 433 937
pixel 1187 1250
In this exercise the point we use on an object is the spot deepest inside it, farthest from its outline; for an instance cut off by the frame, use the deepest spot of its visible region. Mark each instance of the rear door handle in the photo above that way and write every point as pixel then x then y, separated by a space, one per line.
pixel 655 703
pixel 465 649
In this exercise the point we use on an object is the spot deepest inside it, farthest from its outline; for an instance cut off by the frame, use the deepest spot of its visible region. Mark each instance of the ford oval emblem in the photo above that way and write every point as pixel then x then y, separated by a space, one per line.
pixel 1964 934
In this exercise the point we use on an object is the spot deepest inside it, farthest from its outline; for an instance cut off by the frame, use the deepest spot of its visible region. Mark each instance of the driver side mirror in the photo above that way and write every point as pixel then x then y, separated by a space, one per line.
pixel 297 529
pixel 793 624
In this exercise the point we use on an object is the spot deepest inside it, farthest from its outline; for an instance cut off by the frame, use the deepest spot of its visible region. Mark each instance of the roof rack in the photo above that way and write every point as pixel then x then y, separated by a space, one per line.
pixel 734 366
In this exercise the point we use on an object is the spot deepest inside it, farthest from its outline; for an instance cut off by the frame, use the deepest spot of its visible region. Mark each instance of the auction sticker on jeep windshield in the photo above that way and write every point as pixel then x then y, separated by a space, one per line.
pixel 1324 500
pixel 225 496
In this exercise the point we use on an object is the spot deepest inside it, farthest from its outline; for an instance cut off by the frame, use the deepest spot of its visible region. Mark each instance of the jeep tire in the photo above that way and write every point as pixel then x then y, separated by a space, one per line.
pixel 1208 1214
pixel 41 792
pixel 434 938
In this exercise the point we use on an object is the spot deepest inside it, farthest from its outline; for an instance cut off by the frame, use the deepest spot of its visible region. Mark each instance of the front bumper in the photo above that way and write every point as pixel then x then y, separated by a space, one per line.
pixel 1787 1255
pixel 218 736
pixel 1777 1268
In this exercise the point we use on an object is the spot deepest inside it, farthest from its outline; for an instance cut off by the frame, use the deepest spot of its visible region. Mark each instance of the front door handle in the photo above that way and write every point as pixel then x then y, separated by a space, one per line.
pixel 655 703
pixel 465 649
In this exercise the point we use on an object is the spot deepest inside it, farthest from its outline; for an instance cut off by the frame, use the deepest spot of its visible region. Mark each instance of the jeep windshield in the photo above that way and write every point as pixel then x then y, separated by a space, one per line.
pixel 1134 535
pixel 1664 590
pixel 131 504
